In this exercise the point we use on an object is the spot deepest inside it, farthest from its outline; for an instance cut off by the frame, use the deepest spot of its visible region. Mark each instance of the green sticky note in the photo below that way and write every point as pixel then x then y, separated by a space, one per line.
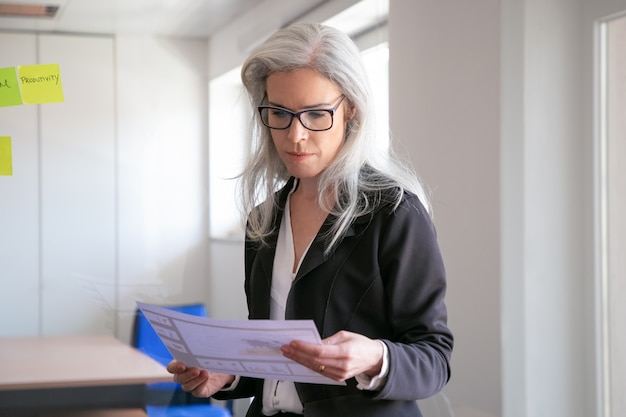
pixel 9 88
pixel 40 83
pixel 6 166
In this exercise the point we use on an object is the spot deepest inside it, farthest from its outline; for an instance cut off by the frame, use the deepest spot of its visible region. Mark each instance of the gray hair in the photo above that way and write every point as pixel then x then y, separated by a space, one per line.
pixel 333 54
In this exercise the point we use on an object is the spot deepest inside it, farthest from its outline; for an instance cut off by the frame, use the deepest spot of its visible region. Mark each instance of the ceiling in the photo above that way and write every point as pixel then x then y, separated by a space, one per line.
pixel 179 18
pixel 184 18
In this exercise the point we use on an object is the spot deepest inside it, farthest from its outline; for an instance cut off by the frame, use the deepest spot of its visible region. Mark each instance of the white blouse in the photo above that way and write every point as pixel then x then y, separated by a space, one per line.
pixel 281 395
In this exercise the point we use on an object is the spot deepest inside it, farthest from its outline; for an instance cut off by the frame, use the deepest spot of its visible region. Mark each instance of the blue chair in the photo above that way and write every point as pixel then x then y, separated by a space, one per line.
pixel 167 399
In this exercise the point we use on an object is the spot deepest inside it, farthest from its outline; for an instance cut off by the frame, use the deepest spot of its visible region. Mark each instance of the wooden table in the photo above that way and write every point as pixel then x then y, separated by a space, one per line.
pixel 115 412
pixel 73 373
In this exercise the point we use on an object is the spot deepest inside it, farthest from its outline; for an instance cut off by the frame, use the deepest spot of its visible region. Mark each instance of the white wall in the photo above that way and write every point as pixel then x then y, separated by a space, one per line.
pixel 494 102
pixel 77 188
pixel 162 185
pixel 444 111
pixel 57 210
pixel 229 47
pixel 554 225
pixel 552 366
pixel 19 202
pixel 108 201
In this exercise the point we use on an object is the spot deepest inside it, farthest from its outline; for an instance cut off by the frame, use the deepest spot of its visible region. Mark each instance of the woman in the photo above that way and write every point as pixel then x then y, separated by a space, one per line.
pixel 338 231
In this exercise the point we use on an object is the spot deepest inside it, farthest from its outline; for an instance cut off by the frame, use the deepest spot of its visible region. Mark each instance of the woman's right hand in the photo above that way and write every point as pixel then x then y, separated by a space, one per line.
pixel 198 382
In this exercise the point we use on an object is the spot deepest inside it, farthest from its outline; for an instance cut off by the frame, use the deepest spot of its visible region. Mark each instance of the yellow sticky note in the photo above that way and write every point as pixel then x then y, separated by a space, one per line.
pixel 9 88
pixel 6 166
pixel 40 83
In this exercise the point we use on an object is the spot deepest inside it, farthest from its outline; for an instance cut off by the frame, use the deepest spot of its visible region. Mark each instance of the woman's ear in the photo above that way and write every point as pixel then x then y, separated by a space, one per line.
pixel 351 112
pixel 349 119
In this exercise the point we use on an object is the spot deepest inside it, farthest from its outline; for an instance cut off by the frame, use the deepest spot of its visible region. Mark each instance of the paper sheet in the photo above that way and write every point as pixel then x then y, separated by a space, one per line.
pixel 9 88
pixel 40 83
pixel 6 157
pixel 238 347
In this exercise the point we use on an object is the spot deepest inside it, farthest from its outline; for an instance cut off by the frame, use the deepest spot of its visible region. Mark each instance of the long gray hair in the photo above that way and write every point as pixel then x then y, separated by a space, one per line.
pixel 355 189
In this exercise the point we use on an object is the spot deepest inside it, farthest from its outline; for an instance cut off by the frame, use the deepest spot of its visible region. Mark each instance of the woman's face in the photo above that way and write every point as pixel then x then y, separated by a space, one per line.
pixel 306 153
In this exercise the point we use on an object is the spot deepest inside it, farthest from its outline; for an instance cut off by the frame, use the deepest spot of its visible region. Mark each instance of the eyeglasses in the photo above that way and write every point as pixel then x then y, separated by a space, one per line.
pixel 313 119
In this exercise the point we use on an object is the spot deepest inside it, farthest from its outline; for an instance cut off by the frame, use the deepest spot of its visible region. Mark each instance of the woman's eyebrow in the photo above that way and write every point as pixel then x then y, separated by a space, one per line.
pixel 310 107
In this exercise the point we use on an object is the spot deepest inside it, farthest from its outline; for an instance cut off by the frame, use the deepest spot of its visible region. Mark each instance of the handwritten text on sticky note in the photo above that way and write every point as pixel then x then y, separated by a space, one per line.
pixel 40 83
pixel 9 88
pixel 6 165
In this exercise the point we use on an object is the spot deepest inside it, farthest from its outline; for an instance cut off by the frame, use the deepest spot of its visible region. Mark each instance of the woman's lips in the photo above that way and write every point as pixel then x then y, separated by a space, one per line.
pixel 298 156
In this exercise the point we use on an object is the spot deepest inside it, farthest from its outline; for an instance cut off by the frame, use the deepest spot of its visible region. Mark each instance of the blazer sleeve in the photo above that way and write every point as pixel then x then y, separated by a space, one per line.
pixel 414 277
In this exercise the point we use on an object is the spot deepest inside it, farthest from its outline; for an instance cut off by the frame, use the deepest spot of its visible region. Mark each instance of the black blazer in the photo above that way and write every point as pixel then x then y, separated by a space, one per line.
pixel 385 280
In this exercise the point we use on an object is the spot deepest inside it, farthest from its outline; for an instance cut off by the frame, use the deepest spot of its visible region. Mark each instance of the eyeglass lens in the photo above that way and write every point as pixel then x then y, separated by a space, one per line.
pixel 277 118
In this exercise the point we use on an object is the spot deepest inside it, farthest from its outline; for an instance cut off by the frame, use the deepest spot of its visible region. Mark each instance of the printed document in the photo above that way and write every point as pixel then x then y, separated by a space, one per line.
pixel 237 347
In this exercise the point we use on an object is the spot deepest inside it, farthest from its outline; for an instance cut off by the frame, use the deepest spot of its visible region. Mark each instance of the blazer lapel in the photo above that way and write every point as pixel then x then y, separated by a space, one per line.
pixel 315 255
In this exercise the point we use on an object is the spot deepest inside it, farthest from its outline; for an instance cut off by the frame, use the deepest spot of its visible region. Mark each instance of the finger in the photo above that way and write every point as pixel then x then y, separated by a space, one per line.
pixel 324 350
pixel 195 383
pixel 176 367
pixel 303 346
pixel 190 374
pixel 303 353
pixel 335 339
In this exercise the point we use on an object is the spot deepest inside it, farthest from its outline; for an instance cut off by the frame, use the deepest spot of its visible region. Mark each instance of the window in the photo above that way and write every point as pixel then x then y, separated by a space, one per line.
pixel 613 213
pixel 229 115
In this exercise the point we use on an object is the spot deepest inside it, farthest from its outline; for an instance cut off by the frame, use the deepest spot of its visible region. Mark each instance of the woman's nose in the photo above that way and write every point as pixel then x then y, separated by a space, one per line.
pixel 296 131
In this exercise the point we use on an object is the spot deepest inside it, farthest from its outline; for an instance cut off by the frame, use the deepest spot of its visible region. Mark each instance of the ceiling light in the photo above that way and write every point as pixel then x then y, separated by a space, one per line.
pixel 28 10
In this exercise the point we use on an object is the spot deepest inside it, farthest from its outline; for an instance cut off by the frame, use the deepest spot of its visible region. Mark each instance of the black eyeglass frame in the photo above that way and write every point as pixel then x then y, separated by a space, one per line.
pixel 331 111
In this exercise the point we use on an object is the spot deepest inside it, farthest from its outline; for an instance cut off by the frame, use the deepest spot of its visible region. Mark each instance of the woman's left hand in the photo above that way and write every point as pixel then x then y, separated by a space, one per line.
pixel 340 356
